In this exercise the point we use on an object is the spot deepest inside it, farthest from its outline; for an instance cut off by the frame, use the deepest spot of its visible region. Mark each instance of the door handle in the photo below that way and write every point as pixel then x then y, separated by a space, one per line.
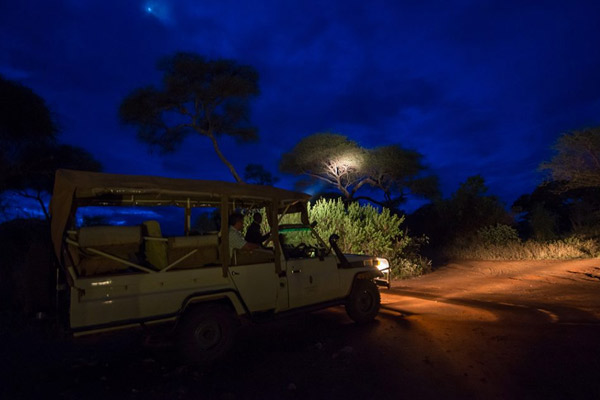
pixel 234 273
pixel 296 271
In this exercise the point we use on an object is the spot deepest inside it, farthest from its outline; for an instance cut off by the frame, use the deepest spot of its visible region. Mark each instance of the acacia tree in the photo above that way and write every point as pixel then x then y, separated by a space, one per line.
pixel 258 175
pixel 330 158
pixel 206 97
pixel 346 166
pixel 397 171
pixel 577 159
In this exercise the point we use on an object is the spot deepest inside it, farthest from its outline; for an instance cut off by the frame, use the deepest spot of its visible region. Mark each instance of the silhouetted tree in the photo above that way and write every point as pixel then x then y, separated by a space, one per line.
pixel 467 210
pixel 577 159
pixel 39 163
pixel 29 152
pixel 206 97
pixel 552 210
pixel 397 172
pixel 258 175
pixel 25 120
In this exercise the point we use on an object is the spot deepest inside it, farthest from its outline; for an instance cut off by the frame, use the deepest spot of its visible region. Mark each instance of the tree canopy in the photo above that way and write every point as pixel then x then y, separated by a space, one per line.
pixel 331 158
pixel 397 171
pixel 29 151
pixel 577 159
pixel 346 166
pixel 206 97
pixel 468 209
pixel 25 120
pixel 258 175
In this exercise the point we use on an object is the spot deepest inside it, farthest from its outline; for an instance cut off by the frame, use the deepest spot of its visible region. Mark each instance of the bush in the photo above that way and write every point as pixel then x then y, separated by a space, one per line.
pixel 367 230
pixel 498 234
pixel 363 229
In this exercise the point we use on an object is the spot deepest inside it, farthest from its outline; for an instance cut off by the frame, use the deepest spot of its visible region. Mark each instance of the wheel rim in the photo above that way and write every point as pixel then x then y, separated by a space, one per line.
pixel 208 334
pixel 365 301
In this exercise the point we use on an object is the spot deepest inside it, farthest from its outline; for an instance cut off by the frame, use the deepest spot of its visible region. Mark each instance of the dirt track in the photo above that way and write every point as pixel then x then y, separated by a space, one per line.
pixel 469 330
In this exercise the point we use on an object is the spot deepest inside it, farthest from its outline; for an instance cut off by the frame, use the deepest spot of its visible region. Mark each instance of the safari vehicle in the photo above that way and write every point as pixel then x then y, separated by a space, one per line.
pixel 189 284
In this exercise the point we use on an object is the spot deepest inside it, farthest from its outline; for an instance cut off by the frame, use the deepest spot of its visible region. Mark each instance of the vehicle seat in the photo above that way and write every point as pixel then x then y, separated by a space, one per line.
pixel 120 242
pixel 155 246
pixel 205 249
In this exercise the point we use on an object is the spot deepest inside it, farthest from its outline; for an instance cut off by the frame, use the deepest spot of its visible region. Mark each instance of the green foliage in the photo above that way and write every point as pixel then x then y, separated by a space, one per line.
pixel 362 229
pixel 366 230
pixel 206 97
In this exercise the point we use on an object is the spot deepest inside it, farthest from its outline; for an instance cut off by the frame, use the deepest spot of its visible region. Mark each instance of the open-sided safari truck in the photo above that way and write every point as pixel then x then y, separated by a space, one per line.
pixel 190 284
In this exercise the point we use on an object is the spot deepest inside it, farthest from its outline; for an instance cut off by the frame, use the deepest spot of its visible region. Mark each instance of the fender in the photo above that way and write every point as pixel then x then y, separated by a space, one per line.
pixel 230 296
pixel 370 274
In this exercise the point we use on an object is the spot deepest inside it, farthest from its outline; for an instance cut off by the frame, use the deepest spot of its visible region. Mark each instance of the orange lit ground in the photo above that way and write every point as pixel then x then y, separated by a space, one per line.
pixel 472 330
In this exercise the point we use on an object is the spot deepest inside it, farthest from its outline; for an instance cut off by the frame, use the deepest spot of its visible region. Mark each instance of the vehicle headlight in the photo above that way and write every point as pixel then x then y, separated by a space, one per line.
pixel 382 263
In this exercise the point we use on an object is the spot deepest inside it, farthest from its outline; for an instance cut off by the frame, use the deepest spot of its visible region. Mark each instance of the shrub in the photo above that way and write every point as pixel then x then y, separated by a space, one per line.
pixel 498 234
pixel 363 229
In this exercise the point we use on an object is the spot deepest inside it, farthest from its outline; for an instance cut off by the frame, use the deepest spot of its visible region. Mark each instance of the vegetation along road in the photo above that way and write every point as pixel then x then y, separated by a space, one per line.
pixel 505 330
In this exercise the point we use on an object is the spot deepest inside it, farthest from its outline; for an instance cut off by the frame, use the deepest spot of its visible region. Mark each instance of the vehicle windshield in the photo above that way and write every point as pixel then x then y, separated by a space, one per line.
pixel 300 241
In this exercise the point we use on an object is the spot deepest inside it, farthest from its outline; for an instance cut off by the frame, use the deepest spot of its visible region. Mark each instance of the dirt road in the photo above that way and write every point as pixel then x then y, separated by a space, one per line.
pixel 480 330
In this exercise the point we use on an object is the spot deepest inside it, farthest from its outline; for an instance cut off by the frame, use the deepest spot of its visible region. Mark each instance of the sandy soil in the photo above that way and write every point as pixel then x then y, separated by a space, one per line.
pixel 480 330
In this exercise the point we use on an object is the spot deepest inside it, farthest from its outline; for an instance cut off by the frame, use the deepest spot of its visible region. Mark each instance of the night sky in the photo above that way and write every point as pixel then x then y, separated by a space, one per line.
pixel 477 87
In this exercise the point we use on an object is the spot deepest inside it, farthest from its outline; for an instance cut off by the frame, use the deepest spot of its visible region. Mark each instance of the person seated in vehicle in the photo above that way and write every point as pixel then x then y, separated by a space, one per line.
pixel 253 234
pixel 236 239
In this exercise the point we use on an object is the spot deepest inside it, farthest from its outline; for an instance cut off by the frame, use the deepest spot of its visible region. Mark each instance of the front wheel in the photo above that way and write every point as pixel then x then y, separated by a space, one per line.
pixel 363 303
pixel 207 333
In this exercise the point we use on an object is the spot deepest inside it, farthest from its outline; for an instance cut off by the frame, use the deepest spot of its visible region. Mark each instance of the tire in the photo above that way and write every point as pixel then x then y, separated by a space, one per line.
pixel 363 303
pixel 207 333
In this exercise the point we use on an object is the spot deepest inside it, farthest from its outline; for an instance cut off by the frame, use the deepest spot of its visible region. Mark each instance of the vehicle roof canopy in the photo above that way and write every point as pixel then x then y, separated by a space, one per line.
pixel 81 188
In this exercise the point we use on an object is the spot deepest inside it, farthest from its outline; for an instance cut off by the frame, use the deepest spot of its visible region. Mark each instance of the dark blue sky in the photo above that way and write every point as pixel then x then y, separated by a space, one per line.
pixel 477 87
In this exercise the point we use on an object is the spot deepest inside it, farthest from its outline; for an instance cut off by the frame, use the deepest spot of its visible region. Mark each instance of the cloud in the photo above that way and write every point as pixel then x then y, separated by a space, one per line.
pixel 477 87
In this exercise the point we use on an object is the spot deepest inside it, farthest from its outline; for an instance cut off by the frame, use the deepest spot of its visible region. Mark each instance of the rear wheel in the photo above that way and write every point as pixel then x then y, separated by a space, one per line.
pixel 207 333
pixel 363 303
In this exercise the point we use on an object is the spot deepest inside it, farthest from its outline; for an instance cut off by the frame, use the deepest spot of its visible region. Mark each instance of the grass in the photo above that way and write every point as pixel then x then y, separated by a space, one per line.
pixel 562 249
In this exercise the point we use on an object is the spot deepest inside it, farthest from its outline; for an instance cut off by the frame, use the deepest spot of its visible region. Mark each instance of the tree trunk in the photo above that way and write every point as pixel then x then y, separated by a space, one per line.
pixel 223 159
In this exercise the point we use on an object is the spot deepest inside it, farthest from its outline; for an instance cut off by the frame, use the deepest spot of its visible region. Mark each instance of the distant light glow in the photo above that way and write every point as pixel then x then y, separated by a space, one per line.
pixel 159 10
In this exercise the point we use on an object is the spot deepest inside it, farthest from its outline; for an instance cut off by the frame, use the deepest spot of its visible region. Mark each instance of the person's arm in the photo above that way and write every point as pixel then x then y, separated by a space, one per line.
pixel 250 246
